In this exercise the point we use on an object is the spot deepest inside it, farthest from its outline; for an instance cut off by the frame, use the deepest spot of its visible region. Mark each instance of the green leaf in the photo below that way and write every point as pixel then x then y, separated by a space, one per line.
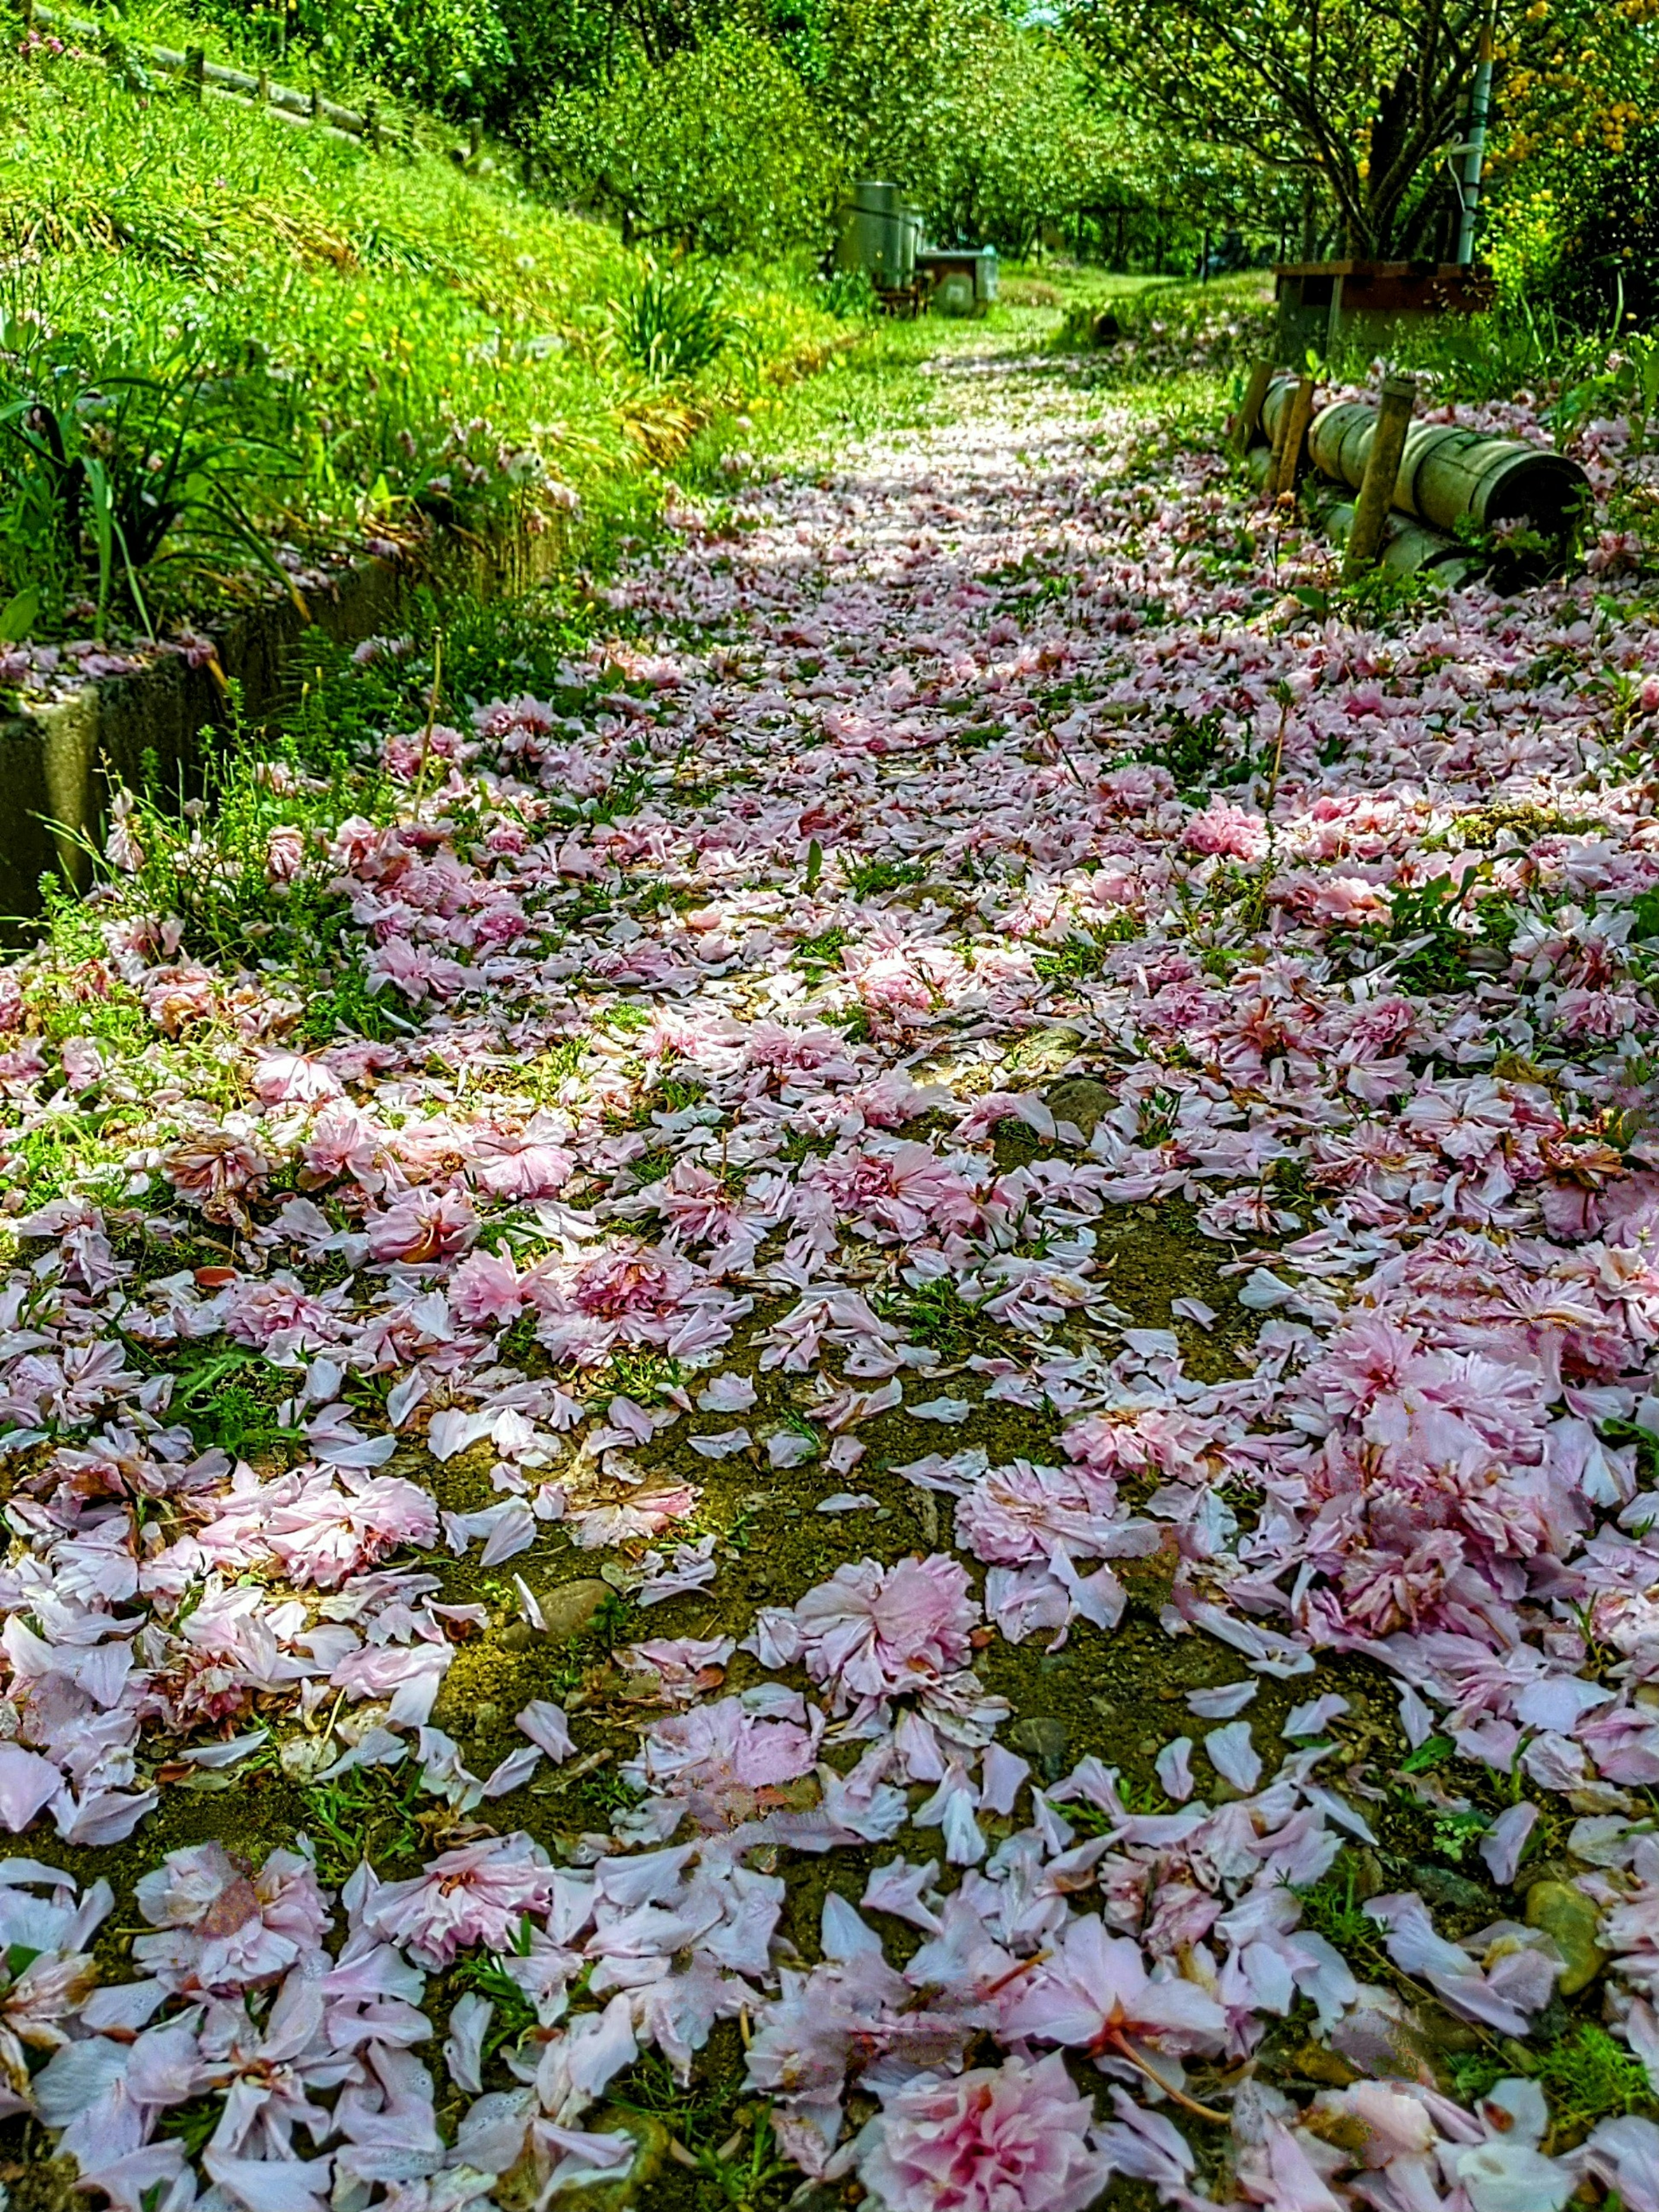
pixel 19 616
pixel 1434 1751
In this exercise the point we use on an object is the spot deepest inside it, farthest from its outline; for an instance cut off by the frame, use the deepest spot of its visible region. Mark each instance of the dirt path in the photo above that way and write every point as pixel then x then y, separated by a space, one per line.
pixel 887 1347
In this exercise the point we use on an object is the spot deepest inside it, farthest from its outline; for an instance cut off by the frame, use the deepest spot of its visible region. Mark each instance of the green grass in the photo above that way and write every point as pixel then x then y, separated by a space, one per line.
pixel 1585 2074
pixel 353 344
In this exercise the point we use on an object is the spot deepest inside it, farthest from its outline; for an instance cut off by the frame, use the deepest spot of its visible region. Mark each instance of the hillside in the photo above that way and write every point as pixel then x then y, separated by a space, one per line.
pixel 234 351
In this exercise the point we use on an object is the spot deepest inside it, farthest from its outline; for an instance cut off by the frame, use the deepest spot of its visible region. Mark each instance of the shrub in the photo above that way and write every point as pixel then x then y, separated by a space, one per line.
pixel 717 151
pixel 671 322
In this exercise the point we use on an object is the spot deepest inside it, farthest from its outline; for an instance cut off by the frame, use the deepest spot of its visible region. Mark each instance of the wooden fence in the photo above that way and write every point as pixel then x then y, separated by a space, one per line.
pixel 383 129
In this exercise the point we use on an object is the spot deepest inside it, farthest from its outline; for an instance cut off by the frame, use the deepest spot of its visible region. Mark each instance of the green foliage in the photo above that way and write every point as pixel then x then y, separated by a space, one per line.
pixel 108 473
pixel 514 2014
pixel 245 337
pixel 848 294
pixel 1083 958
pixel 1200 752
pixel 816 956
pixel 719 151
pixel 867 879
pixel 934 1313
pixel 670 324
pixel 1585 2074
pixel 367 1813
pixel 227 1398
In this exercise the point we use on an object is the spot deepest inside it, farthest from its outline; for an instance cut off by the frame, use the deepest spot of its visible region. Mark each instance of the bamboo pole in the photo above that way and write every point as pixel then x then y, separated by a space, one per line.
pixel 1248 421
pixel 1371 511
pixel 1300 415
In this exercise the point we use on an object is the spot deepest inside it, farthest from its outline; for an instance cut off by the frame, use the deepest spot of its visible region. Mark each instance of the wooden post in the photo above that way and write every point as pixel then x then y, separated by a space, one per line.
pixel 316 105
pixel 371 131
pixel 528 170
pixel 1298 416
pixel 474 139
pixel 1370 510
pixel 195 71
pixel 262 88
pixel 1248 421
pixel 28 18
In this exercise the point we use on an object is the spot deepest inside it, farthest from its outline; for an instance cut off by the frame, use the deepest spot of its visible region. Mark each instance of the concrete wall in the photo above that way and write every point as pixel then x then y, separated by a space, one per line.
pixel 59 764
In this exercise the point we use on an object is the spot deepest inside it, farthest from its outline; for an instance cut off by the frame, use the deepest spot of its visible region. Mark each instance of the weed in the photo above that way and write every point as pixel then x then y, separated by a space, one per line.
pixel 867 879
pixel 1196 752
pixel 514 2014
pixel 700 2114
pixel 816 956
pixel 1454 1832
pixel 1083 958
pixel 368 1815
pixel 227 1397
pixel 934 1313
pixel 641 1375
pixel 1585 2074
pixel 1331 1910
pixel 670 322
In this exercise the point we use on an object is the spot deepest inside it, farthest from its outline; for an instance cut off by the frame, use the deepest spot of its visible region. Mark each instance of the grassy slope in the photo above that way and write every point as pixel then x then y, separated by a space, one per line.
pixel 373 322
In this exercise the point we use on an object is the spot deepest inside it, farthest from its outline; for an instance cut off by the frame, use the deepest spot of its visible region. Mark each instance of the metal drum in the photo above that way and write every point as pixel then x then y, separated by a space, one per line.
pixel 879 234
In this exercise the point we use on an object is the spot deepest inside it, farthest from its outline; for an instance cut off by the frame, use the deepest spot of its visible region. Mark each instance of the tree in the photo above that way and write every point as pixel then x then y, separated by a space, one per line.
pixel 718 150
pixel 1361 98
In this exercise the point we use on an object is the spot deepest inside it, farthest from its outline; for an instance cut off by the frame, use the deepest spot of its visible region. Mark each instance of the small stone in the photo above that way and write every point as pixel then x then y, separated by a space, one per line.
pixel 1045 1743
pixel 568 1608
pixel 1080 1099
pixel 518 1636
pixel 1454 1890
pixel 1570 1917
pixel 1314 2063
pixel 1048 1049
pixel 303 1757
pixel 522 2188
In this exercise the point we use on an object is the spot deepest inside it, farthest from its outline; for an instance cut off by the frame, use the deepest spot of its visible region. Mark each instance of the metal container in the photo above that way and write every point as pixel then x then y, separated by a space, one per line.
pixel 963 278
pixel 878 234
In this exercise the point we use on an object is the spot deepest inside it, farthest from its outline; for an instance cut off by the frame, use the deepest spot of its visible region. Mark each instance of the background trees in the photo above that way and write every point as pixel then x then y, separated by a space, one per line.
pixel 1139 131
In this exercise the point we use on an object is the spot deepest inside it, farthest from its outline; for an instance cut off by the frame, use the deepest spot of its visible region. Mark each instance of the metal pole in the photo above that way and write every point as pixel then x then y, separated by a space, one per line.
pixel 1474 150
pixel 1370 510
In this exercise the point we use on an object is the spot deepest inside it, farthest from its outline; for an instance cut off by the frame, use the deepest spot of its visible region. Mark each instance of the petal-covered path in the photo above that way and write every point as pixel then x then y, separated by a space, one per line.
pixel 930 1406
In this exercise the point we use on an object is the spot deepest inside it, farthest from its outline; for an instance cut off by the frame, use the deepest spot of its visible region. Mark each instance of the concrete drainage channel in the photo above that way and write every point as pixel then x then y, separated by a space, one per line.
pixel 59 764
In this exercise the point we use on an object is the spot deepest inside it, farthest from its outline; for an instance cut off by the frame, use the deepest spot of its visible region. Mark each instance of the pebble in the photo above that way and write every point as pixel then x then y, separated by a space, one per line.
pixel 1080 1099
pixel 1568 1915
pixel 302 1758
pixel 569 1608
pixel 1050 1048
pixel 1454 1891
pixel 518 1636
pixel 1044 1742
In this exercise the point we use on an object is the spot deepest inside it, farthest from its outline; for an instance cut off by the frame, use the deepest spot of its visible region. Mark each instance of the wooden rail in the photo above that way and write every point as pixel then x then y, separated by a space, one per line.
pixel 370 125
